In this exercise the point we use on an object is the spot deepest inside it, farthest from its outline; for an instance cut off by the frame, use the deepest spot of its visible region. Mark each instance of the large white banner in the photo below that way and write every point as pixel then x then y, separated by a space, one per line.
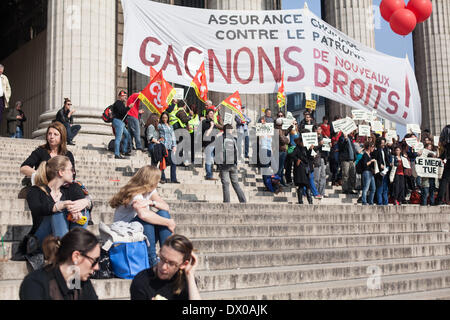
pixel 249 50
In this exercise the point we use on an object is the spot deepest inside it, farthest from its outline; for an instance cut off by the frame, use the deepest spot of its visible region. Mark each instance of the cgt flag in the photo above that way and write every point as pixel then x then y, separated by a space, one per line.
pixel 153 72
pixel 199 83
pixel 158 94
pixel 281 96
pixel 234 103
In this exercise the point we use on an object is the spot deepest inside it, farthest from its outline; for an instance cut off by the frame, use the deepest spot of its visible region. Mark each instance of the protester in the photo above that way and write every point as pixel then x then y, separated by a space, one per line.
pixel 267 117
pixel 135 201
pixel 173 278
pixel 16 118
pixel 208 143
pixel 302 161
pixel 320 162
pixel 243 133
pixel 133 120
pixel 347 157
pixel 193 126
pixel 444 145
pixel 180 115
pixel 307 121
pixel 5 91
pixel 283 148
pixel 56 144
pixel 53 205
pixel 398 189
pixel 326 128
pixel 293 134
pixel 228 166
pixel 65 116
pixel 77 253
pixel 153 139
pixel 383 158
pixel 368 169
pixel 428 185
pixel 120 111
pixel 168 139
pixel 335 164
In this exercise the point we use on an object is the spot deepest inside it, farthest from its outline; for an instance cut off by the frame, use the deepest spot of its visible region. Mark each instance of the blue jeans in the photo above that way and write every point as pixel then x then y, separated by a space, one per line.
pixel 428 191
pixel 155 233
pixel 368 182
pixel 209 160
pixel 18 134
pixel 135 131
pixel 72 131
pixel 119 127
pixel 173 169
pixel 282 160
pixel 382 191
pixel 314 191
pixel 57 225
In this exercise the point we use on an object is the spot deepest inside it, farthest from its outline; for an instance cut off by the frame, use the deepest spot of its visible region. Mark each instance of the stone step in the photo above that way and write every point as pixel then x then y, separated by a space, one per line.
pixel 441 294
pixel 340 290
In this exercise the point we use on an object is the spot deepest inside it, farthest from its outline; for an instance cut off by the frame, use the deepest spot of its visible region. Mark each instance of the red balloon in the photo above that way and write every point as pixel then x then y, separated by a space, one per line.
pixel 403 22
pixel 421 8
pixel 388 7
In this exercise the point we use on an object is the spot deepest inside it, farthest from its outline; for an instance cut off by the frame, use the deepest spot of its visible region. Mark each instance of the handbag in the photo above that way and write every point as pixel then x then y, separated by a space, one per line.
pixel 105 270
pixel 129 258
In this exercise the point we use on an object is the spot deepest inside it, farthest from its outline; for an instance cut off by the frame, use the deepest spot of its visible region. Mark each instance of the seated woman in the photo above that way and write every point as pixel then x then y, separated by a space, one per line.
pixel 52 203
pixel 56 145
pixel 77 251
pixel 133 202
pixel 173 277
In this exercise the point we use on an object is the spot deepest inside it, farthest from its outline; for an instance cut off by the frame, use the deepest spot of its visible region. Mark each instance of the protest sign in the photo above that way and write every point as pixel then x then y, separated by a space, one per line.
pixel 337 125
pixel 436 141
pixel 179 95
pixel 326 144
pixel 228 118
pixel 311 104
pixel 377 126
pixel 406 164
pixel 310 139
pixel 428 167
pixel 364 131
pixel 413 128
pixel 412 142
pixel 287 122
pixel 391 135
pixel 426 153
pixel 419 147
pixel 250 49
pixel 309 127
pixel 264 129
pixel 349 126
pixel 360 115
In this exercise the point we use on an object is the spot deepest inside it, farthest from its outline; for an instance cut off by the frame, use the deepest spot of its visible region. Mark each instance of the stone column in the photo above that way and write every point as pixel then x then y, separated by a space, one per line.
pixel 432 63
pixel 254 102
pixel 80 63
pixel 355 19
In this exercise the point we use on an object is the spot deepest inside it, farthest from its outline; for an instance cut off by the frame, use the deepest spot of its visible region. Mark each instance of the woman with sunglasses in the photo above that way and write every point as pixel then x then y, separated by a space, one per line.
pixel 173 278
pixel 71 261
pixel 53 204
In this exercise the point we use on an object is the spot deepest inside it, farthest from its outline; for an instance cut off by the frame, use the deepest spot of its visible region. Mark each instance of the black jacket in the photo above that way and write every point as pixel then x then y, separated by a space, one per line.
pixel 63 116
pixel 49 284
pixel 301 172
pixel 378 155
pixel 344 147
pixel 13 122
pixel 119 110
pixel 41 154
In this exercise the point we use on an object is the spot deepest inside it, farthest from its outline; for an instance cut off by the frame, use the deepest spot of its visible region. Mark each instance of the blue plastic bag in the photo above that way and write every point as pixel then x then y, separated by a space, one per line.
pixel 129 258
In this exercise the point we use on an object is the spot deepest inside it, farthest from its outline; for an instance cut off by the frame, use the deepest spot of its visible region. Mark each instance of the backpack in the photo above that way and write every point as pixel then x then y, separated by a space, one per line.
pixel 415 197
pixel 107 115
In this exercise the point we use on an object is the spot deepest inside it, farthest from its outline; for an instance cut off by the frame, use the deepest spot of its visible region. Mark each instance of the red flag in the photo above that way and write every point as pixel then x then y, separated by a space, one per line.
pixel 234 103
pixel 281 95
pixel 153 72
pixel 158 94
pixel 199 83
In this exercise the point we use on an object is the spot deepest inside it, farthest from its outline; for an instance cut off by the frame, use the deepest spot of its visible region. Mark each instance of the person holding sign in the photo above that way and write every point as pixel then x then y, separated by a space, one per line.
pixel 307 121
pixel 382 155
pixel 326 128
pixel 368 169
pixel 347 157
pixel 427 185
pixel 398 188
pixel 302 158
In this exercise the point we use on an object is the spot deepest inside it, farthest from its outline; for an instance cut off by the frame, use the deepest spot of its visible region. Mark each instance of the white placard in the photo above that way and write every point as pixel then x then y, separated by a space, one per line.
pixel 405 163
pixel 426 153
pixel 264 129
pixel 337 125
pixel 390 135
pixel 310 139
pixel 436 141
pixel 377 126
pixel 412 142
pixel 313 153
pixel 364 131
pixel 228 118
pixel 413 128
pixel 326 144
pixel 419 147
pixel 349 126
pixel 309 127
pixel 428 167
pixel 179 95
pixel 360 115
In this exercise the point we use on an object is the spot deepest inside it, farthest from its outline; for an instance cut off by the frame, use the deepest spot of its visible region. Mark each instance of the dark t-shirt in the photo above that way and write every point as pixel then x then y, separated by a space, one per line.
pixel 39 155
pixel 119 110
pixel 146 285
pixel 49 284
pixel 366 158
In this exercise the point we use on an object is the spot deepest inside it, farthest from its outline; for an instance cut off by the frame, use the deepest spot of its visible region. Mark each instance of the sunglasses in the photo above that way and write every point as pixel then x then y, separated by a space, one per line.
pixel 92 260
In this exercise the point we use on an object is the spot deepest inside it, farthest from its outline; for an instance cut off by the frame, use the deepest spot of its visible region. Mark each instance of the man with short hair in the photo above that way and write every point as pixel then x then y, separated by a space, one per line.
pixel 307 121
pixel 134 120
pixel 5 91
pixel 347 157
pixel 267 117
pixel 16 118
pixel 208 143
pixel 120 111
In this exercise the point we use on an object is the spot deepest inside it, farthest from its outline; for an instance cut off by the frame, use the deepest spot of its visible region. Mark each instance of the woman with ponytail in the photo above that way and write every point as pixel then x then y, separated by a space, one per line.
pixel 51 202
pixel 71 261
pixel 173 278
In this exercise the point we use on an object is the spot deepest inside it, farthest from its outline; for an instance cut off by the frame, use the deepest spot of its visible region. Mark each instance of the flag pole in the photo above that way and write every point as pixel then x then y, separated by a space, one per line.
pixel 123 120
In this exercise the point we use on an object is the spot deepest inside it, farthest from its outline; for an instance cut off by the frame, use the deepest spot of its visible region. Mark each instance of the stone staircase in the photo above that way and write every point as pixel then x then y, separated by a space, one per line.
pixel 270 248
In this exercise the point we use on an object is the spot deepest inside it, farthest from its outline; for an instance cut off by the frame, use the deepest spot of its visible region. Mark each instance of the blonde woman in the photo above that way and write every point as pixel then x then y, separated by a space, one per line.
pixel 133 203
pixel 51 202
